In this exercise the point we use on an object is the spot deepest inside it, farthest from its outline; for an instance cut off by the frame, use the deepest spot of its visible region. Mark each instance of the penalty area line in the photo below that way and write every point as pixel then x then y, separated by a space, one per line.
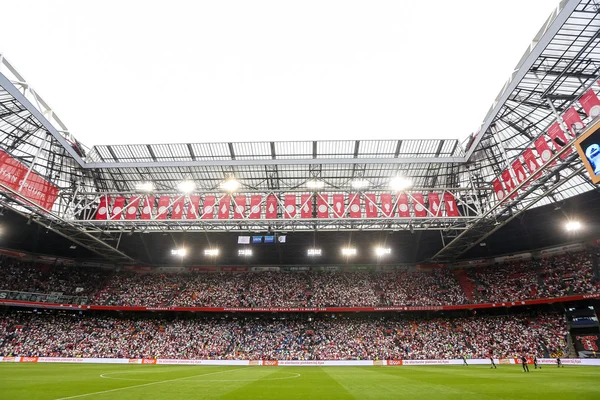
pixel 146 384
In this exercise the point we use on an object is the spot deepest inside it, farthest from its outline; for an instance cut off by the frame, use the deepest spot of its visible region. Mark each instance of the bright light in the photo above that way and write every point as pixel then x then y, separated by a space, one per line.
pixel 179 252
pixel 315 184
pixel 186 186
pixel 245 252
pixel 400 183
pixel 314 252
pixel 349 251
pixel 211 252
pixel 231 185
pixel 572 226
pixel 382 251
pixel 360 184
pixel 145 186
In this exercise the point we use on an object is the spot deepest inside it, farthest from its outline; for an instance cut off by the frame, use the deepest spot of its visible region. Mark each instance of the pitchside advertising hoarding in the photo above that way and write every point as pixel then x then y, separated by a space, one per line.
pixel 16 176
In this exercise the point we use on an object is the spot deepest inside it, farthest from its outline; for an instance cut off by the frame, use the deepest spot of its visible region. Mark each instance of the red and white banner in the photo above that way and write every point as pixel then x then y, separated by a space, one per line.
pixel 163 207
pixel 557 135
pixel 339 208
pixel 239 210
pixel 451 206
pixel 543 149
pixel 271 207
pixel 117 209
pixel 148 207
pixel 224 206
pixel 208 208
pixel 34 188
pixel 403 209
pixel 419 205
pixel 255 202
pixel 354 205
pixel 573 121
pixel 306 206
pixel 371 205
pixel 177 208
pixel 193 210
pixel 102 211
pixel 509 184
pixel 434 204
pixel 519 171
pixel 131 209
pixel 289 203
pixel 590 103
pixel 498 189
pixel 531 162
pixel 322 206
pixel 387 206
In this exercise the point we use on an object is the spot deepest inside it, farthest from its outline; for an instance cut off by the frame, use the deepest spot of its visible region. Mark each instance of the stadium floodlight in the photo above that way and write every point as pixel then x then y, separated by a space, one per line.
pixel 314 252
pixel 314 184
pixel 211 252
pixel 399 183
pixel 382 251
pixel 360 183
pixel 231 185
pixel 348 251
pixel 245 252
pixel 145 186
pixel 573 226
pixel 179 252
pixel 186 186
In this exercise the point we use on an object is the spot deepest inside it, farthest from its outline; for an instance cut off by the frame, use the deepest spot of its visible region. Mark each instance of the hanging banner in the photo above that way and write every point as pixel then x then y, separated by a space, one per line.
pixel 193 211
pixel 34 188
pixel 542 149
pixel 559 139
pixel 587 344
pixel 498 189
pixel 239 210
pixel 509 184
pixel 148 207
pixel 289 206
pixel 419 205
pixel 590 103
pixel 224 206
pixel 177 208
pixel 322 206
pixel 208 208
pixel 354 205
pixel 403 210
pixel 102 212
pixel 271 208
pixel 117 209
pixel 451 207
pixel 531 162
pixel 371 205
pixel 255 203
pixel 163 207
pixel 519 171
pixel 434 204
pixel 573 121
pixel 338 206
pixel 132 207
pixel 386 204
pixel 306 206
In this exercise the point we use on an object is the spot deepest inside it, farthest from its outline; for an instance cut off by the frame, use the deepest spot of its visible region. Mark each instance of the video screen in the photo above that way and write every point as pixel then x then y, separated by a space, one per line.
pixel 588 147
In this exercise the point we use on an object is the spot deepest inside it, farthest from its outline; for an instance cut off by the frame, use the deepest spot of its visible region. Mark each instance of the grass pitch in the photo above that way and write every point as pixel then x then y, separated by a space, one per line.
pixel 97 382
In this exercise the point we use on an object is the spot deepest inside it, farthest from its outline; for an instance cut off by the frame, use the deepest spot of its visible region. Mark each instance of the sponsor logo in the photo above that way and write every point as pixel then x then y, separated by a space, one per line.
pixel 29 359
pixel 394 362
pixel 133 361
pixel 270 363
pixel 148 361
pixel 253 362
pixel 8 359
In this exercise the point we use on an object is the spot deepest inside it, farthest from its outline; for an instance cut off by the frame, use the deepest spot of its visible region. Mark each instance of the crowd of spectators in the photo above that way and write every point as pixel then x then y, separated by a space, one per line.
pixel 283 338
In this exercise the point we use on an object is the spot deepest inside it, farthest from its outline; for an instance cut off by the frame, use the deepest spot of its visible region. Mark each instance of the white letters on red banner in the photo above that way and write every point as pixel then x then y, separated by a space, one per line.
pixel 508 183
pixel 519 171
pixel 177 208
pixel 224 206
pixel 117 209
pixel 386 204
pixel 271 207
pixel 102 212
pixel 498 189
pixel 451 207
pixel 322 206
pixel 255 207
pixel 208 208
pixel 590 103
pixel 573 121
pixel 543 150
pixel 531 162
pixel 306 206
pixel 240 207
pixel 354 205
pixel 193 210
pixel 132 207
pixel 371 205
pixel 419 205
pixel 148 207
pixel 434 204
pixel 557 134
pixel 403 209
pixel 338 206
pixel 163 207
pixel 289 206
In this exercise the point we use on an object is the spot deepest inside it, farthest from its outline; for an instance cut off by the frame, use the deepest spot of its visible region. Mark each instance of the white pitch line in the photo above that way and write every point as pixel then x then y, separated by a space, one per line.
pixel 146 384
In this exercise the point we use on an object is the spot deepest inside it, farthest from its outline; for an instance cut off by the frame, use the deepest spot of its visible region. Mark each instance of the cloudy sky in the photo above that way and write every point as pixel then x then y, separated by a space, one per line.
pixel 119 72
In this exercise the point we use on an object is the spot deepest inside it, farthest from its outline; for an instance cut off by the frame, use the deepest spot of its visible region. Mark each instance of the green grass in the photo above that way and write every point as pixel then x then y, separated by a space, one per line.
pixel 153 382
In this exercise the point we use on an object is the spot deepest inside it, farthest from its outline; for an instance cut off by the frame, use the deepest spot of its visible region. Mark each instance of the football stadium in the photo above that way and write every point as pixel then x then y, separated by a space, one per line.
pixel 456 268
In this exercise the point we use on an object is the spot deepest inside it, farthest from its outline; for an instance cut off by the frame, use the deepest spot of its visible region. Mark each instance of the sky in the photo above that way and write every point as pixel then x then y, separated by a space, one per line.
pixel 128 72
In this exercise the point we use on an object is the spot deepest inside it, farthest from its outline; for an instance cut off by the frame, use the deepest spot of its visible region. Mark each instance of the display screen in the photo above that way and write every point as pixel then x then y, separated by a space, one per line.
pixel 588 147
